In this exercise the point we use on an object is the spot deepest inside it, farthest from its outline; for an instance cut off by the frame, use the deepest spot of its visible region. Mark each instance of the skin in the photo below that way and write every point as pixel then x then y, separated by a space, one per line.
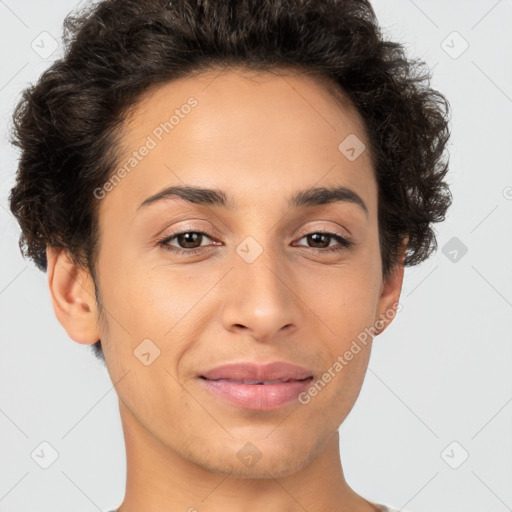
pixel 259 137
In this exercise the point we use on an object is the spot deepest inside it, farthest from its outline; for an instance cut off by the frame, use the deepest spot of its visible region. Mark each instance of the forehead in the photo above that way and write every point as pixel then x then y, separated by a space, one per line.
pixel 259 136
pixel 254 101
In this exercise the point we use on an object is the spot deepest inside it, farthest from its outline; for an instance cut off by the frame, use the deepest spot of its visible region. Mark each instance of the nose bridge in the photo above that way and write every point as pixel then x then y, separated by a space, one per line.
pixel 258 295
pixel 260 267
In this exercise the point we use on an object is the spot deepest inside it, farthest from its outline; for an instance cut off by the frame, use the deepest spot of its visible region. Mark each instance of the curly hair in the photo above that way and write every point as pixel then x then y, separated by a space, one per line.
pixel 68 124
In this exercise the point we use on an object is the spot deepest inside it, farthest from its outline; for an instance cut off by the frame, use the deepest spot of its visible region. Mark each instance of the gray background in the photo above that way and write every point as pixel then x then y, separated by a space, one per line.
pixel 441 373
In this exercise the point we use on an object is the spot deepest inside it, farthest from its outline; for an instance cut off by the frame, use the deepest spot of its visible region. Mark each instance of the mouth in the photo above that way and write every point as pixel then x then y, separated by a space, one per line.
pixel 257 395
pixel 257 382
pixel 257 386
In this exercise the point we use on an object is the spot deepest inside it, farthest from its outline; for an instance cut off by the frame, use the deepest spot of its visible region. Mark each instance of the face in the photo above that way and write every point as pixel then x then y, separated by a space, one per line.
pixel 262 284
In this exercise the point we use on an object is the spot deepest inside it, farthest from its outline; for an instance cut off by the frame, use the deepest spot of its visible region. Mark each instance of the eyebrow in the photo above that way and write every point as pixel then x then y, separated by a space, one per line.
pixel 214 197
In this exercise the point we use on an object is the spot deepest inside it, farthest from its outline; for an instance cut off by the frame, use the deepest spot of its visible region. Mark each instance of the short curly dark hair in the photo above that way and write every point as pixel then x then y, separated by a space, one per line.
pixel 68 124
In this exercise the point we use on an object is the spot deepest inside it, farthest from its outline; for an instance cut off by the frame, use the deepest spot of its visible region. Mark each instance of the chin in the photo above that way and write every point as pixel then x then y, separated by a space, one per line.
pixel 258 460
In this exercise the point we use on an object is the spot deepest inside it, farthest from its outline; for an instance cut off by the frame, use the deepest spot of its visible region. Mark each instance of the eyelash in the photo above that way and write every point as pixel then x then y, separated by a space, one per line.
pixel 345 243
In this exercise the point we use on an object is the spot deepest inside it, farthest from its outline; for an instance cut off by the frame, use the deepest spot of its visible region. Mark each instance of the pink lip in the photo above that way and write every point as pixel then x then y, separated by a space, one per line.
pixel 277 370
pixel 262 397
pixel 227 382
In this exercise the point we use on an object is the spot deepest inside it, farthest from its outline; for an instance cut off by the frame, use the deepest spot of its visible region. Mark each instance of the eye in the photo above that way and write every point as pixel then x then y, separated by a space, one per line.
pixel 324 238
pixel 190 242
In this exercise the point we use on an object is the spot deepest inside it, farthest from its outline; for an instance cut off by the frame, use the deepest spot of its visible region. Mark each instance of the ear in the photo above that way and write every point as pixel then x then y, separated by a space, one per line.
pixel 390 293
pixel 73 296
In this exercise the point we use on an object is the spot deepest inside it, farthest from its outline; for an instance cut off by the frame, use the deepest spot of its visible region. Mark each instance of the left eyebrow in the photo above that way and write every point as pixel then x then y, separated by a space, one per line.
pixel 214 197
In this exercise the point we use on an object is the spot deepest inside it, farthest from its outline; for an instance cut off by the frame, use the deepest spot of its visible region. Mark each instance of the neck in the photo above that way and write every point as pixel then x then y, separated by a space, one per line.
pixel 158 479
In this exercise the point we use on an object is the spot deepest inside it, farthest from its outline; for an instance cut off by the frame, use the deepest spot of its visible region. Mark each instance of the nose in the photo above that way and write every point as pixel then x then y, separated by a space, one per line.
pixel 260 299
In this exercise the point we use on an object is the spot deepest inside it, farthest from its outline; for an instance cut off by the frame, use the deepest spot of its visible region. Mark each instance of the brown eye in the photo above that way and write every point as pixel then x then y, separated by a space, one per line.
pixel 322 240
pixel 319 238
pixel 189 242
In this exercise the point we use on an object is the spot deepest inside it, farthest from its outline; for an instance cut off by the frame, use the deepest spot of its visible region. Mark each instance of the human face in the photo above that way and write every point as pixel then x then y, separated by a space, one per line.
pixel 259 140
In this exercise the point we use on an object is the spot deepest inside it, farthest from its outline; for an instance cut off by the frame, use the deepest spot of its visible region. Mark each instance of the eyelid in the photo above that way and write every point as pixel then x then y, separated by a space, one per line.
pixel 344 243
pixel 305 232
pixel 188 229
pixel 345 233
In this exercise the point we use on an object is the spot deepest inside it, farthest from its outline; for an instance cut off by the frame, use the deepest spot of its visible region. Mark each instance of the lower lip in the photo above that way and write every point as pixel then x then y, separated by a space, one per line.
pixel 261 397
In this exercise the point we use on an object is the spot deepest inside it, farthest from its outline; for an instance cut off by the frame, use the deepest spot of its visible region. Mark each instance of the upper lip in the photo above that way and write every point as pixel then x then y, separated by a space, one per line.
pixel 277 370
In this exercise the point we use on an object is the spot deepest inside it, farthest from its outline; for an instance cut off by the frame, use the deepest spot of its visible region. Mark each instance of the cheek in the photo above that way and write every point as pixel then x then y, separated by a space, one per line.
pixel 345 298
pixel 162 304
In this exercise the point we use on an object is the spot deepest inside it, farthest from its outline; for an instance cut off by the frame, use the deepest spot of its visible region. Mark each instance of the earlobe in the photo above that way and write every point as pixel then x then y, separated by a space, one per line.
pixel 73 296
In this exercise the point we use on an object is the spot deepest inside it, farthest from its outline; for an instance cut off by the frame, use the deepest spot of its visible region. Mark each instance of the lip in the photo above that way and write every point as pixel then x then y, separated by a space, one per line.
pixel 250 370
pixel 226 381
pixel 260 397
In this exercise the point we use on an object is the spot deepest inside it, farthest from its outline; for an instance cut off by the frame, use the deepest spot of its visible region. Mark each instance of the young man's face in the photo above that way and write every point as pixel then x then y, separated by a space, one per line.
pixel 259 289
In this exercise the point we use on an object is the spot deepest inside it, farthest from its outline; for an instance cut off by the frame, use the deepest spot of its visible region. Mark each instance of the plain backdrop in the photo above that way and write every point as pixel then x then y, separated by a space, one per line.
pixel 431 430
